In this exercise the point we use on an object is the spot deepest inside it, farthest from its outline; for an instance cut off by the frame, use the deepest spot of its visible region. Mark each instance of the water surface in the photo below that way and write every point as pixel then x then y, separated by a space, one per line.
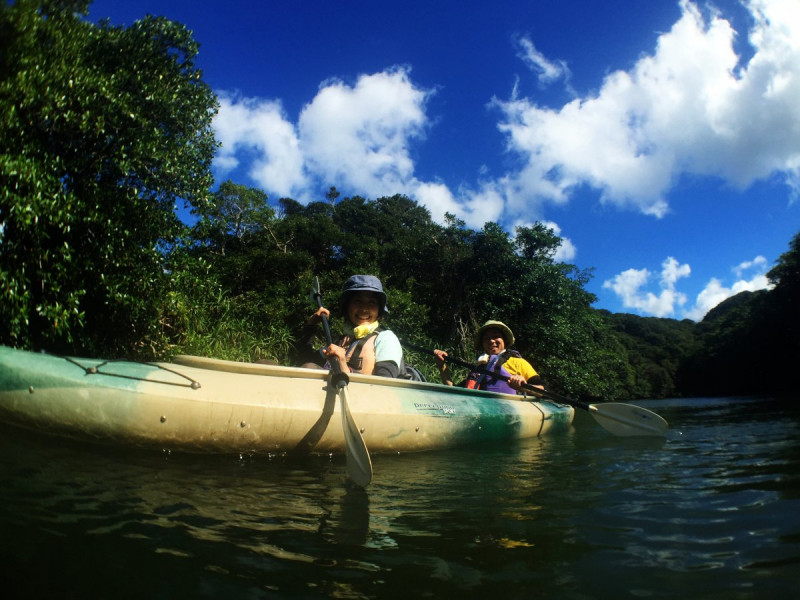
pixel 713 511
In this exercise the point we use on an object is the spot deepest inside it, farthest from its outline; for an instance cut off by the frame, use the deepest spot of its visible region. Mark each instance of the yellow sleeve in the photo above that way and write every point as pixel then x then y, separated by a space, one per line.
pixel 520 366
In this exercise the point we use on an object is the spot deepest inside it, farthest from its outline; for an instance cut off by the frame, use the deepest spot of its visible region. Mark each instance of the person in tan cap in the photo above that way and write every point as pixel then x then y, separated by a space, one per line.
pixel 495 339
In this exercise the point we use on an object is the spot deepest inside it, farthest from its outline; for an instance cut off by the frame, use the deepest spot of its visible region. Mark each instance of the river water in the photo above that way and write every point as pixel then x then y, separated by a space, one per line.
pixel 711 512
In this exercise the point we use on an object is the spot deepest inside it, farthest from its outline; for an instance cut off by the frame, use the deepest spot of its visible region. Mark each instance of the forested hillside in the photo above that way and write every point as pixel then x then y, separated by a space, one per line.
pixel 751 342
pixel 106 130
pixel 655 349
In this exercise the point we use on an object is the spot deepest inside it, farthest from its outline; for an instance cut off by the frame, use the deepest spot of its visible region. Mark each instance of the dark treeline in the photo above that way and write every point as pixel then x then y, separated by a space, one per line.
pixel 444 280
pixel 106 129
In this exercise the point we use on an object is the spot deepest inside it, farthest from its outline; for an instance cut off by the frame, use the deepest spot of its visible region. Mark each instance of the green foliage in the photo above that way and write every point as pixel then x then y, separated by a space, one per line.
pixel 655 349
pixel 203 318
pixel 442 281
pixel 726 358
pixel 785 275
pixel 104 130
pixel 782 319
pixel 234 212
pixel 750 343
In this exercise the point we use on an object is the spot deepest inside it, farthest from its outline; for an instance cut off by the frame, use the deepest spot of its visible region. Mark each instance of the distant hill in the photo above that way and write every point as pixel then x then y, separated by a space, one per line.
pixel 744 346
pixel 655 349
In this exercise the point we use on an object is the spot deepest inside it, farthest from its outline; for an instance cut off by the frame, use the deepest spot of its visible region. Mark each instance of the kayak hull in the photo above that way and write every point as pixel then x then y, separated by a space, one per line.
pixel 204 405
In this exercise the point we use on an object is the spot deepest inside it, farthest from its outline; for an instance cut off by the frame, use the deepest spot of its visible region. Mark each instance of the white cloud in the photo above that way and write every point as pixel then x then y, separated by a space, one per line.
pixel 689 107
pixel 628 286
pixel 566 252
pixel 759 262
pixel 355 137
pixel 547 70
pixel 715 292
pixel 259 129
pixel 438 199
pixel 482 205
pixel 359 137
pixel 671 271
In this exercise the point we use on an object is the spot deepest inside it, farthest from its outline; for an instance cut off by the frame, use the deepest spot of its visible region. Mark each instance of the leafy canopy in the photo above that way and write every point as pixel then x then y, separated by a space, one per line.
pixel 104 130
pixel 442 281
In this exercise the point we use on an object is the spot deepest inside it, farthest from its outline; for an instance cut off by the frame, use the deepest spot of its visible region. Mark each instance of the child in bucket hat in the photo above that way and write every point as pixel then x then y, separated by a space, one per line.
pixel 362 283
pixel 495 339
pixel 365 348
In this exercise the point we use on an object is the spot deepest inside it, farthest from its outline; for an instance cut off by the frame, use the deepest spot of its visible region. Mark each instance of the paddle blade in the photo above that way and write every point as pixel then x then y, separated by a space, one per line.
pixel 359 464
pixel 627 420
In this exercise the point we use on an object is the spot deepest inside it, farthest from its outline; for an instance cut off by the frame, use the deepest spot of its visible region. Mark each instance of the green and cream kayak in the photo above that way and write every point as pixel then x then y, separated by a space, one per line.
pixel 204 405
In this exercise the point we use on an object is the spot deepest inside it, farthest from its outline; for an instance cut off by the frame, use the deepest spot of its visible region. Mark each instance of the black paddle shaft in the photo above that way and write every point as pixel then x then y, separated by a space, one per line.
pixel 533 389
pixel 339 378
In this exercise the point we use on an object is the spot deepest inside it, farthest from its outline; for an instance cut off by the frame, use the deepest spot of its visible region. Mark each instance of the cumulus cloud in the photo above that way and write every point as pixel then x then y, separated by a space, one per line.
pixel 259 130
pixel 438 199
pixel 715 292
pixel 567 251
pixel 358 136
pixel 689 107
pixel 629 287
pixel 759 263
pixel 692 106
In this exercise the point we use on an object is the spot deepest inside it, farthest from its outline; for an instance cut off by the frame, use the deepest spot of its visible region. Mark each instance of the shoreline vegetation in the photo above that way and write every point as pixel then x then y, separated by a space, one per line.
pixel 94 260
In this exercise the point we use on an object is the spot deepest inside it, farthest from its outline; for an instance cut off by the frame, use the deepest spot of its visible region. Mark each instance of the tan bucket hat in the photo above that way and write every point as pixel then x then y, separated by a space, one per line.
pixel 508 335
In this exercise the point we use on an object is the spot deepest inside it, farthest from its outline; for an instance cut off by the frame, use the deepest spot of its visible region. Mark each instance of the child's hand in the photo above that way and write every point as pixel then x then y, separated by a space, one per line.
pixel 317 316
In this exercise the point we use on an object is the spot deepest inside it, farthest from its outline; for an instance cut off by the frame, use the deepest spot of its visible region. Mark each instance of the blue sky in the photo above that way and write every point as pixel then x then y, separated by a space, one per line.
pixel 659 138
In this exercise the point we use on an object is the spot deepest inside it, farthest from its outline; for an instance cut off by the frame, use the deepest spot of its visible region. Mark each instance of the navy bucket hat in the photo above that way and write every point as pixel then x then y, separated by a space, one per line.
pixel 362 283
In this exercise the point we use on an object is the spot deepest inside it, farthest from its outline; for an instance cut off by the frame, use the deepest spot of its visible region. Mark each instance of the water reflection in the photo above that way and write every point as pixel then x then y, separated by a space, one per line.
pixel 347 521
pixel 708 513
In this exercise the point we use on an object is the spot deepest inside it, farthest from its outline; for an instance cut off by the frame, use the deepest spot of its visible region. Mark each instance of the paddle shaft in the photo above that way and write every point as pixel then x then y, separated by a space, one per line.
pixel 339 378
pixel 342 377
pixel 359 464
pixel 619 419
pixel 325 325
pixel 527 386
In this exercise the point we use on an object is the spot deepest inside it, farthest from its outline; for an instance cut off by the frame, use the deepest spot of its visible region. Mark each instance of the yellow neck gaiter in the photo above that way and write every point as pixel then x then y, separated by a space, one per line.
pixel 365 329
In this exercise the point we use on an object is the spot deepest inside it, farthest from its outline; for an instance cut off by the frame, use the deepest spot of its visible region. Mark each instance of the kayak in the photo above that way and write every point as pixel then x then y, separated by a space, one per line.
pixel 196 404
